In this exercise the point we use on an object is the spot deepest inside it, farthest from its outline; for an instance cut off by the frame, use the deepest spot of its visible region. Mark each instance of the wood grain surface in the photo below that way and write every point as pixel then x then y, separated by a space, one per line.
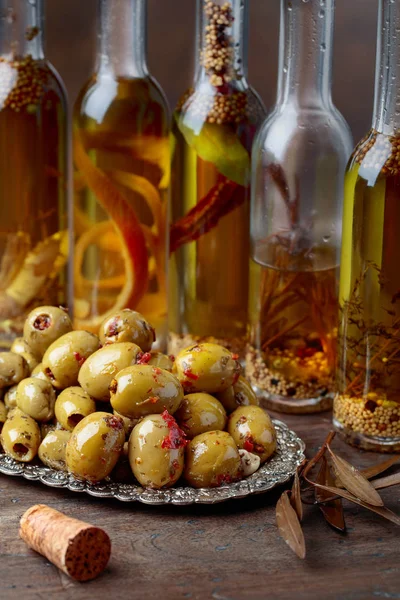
pixel 229 551
pixel 71 42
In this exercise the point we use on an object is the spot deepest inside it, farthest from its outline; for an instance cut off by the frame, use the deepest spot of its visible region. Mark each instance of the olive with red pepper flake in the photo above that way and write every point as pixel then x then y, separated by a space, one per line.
pixel 206 368
pixel 156 451
pixel 142 390
pixel 43 326
pixel 127 326
pixel 253 430
pixel 239 394
pixel 95 446
pixel 64 358
pixel 212 459
pixel 199 413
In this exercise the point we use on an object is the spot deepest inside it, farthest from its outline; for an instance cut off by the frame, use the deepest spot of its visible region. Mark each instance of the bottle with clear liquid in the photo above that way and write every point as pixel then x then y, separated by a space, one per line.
pixel 367 404
pixel 299 160
pixel 122 175
pixel 34 168
pixel 214 125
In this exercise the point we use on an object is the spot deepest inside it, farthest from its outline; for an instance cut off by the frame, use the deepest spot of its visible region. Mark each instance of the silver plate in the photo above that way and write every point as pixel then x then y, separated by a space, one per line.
pixel 282 466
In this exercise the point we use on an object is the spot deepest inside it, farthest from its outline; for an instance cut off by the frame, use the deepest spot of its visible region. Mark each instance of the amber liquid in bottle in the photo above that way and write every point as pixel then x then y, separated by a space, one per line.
pixel 33 191
pixel 121 180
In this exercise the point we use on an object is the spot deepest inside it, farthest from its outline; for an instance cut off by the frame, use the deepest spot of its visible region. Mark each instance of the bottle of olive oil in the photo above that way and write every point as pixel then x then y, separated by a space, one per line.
pixel 367 404
pixel 33 170
pixel 213 128
pixel 121 181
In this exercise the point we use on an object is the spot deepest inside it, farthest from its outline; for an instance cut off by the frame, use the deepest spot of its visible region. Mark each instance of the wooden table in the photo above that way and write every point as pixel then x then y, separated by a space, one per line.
pixel 228 551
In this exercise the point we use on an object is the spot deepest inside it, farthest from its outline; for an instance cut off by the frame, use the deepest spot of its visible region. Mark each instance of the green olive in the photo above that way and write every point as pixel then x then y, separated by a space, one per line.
pixel 64 358
pixel 156 451
pixel 253 430
pixel 43 326
pixel 128 326
pixel 212 459
pixel 143 390
pixel 129 424
pixel 95 446
pixel 31 361
pixel 72 405
pixel 3 414
pixel 158 359
pixel 36 398
pixel 206 368
pixel 13 368
pixel 38 371
pixel 239 394
pixel 199 413
pixel 20 436
pixel 52 449
pixel 101 367
pixel 10 398
pixel 20 346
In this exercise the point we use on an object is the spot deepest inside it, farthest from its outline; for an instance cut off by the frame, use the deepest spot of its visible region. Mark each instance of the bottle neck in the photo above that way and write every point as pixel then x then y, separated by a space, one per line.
pixel 21 29
pixel 305 52
pixel 386 117
pixel 222 36
pixel 122 38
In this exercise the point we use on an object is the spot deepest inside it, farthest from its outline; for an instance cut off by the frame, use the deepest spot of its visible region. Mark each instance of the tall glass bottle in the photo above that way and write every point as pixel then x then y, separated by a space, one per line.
pixel 122 172
pixel 367 405
pixel 33 170
pixel 214 126
pixel 299 159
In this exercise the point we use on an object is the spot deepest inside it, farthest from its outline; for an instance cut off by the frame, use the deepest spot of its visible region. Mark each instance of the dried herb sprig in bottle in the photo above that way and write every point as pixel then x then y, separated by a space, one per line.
pixel 214 126
pixel 299 159
pixel 367 405
pixel 33 170
pixel 122 175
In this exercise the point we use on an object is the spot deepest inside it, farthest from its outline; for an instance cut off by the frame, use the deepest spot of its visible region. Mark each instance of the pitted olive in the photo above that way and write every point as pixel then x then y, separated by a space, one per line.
pixel 158 359
pixel 20 436
pixel 38 371
pixel 43 326
pixel 64 358
pixel 101 367
pixel 206 368
pixel 239 394
pixel 10 398
pixel 72 405
pixel 253 430
pixel 212 459
pixel 36 398
pixel 127 326
pixel 31 361
pixel 142 390
pixel 129 424
pixel 95 446
pixel 20 346
pixel 156 451
pixel 13 368
pixel 199 413
pixel 53 448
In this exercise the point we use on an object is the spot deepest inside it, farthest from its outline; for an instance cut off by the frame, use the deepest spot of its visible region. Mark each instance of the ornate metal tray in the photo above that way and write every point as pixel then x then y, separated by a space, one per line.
pixel 282 466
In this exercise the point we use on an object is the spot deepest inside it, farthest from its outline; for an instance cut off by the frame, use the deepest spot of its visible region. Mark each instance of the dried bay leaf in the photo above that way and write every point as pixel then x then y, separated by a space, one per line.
pixel 375 470
pixel 295 498
pixel 289 525
pixel 333 509
pixel 388 481
pixel 379 510
pixel 354 482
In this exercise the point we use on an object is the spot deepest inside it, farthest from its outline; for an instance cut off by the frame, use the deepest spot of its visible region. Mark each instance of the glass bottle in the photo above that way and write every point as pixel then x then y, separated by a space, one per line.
pixel 33 170
pixel 214 125
pixel 367 405
pixel 299 159
pixel 122 175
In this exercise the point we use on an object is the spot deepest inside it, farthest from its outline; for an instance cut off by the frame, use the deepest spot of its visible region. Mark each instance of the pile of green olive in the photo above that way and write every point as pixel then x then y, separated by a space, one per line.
pixel 107 405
